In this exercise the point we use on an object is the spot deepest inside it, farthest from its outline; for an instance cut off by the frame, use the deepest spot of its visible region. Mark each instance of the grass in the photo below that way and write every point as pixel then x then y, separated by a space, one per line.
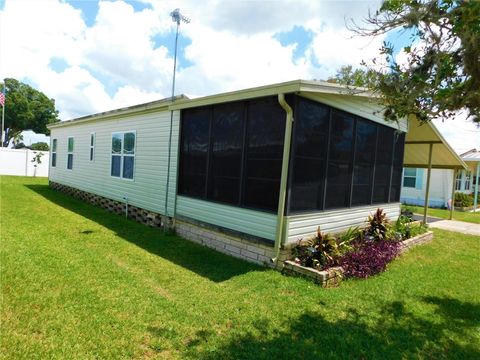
pixel 78 282
pixel 445 214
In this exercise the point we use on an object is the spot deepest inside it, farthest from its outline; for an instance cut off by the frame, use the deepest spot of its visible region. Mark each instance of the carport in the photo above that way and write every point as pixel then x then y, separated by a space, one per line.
pixel 426 148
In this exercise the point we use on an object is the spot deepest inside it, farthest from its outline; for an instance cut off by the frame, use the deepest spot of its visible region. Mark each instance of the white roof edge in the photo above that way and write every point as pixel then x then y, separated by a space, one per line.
pixel 293 86
pixel 153 105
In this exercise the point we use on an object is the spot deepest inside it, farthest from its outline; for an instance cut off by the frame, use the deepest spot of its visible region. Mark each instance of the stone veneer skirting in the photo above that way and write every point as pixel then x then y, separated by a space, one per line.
pixel 257 251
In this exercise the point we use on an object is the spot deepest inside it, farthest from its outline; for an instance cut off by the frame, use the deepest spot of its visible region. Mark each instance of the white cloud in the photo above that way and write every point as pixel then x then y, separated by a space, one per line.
pixel 460 133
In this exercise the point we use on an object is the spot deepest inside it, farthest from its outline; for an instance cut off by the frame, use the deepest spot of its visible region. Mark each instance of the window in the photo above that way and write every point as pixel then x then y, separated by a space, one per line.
pixel 310 140
pixel 365 146
pixel 410 177
pixel 226 153
pixel 195 127
pixel 339 160
pixel 468 175
pixel 92 146
pixel 232 153
pixel 264 153
pixel 383 165
pixel 70 153
pixel 458 180
pixel 123 155
pixel 54 152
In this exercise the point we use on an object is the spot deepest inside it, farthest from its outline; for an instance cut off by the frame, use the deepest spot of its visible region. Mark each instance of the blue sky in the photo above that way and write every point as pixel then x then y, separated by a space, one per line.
pixel 92 56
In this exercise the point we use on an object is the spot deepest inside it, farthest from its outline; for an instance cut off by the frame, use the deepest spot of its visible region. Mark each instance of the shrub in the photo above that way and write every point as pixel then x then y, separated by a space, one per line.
pixel 348 237
pixel 378 225
pixel 463 200
pixel 317 252
pixel 40 146
pixel 369 258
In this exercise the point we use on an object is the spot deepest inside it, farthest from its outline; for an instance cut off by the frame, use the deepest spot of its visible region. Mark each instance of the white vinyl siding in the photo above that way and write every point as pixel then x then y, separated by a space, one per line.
pixel 334 221
pixel 257 223
pixel 151 155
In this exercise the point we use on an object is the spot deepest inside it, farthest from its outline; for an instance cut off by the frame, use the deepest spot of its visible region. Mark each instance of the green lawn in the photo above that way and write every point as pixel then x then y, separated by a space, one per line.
pixel 80 283
pixel 445 214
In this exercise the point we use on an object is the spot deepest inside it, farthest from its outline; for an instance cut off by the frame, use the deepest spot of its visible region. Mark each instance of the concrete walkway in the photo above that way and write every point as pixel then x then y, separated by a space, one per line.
pixel 457 226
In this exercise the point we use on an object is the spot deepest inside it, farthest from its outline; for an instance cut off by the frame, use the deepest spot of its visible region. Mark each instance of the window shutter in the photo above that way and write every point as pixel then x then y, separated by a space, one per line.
pixel 419 181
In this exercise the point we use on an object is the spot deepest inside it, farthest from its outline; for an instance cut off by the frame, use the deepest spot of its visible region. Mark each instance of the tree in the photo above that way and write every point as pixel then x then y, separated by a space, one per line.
pixel 349 76
pixel 40 146
pixel 27 108
pixel 441 75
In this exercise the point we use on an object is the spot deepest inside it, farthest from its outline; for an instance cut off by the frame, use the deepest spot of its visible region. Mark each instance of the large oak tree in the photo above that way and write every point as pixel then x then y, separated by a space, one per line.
pixel 27 108
pixel 440 74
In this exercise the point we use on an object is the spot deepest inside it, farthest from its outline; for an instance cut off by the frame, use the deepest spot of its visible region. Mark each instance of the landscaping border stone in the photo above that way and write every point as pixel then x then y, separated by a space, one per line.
pixel 332 277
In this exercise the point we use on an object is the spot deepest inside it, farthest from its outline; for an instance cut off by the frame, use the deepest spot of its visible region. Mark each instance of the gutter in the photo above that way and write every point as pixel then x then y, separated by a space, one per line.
pixel 283 180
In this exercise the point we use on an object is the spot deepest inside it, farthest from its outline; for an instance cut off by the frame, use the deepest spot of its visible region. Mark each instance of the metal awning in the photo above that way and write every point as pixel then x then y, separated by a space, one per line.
pixel 425 147
pixel 418 140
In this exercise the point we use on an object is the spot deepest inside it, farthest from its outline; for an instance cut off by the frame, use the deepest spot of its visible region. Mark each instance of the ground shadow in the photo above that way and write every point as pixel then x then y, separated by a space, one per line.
pixel 199 259
pixel 393 333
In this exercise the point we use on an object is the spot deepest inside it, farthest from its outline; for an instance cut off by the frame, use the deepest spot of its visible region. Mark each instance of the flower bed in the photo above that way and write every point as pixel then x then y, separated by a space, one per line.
pixel 333 276
pixel 361 253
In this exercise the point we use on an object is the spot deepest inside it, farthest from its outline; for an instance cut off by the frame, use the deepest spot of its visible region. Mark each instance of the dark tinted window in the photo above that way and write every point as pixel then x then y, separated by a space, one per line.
pixel 397 167
pixel 264 153
pixel 365 144
pixel 339 160
pixel 309 152
pixel 193 151
pixel 383 165
pixel 227 143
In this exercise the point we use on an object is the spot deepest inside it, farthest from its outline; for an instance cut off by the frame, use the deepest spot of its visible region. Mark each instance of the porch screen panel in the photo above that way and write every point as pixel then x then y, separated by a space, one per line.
pixel 383 165
pixel 264 153
pixel 193 152
pixel 399 145
pixel 226 157
pixel 310 147
pixel 365 143
pixel 339 160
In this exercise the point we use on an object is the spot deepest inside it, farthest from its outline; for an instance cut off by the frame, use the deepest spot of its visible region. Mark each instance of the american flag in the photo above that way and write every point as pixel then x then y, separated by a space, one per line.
pixel 2 97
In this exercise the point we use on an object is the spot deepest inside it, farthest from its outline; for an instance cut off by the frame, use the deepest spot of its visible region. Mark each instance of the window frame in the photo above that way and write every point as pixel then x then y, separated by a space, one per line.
pixel 54 152
pixel 459 180
pixel 467 180
pixel 409 177
pixel 70 152
pixel 122 155
pixel 91 153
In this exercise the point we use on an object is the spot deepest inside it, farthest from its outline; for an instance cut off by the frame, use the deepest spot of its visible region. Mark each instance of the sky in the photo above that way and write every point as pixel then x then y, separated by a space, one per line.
pixel 92 56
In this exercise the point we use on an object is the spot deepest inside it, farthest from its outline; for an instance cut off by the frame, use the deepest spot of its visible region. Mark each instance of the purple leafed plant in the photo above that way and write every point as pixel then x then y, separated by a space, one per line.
pixel 369 258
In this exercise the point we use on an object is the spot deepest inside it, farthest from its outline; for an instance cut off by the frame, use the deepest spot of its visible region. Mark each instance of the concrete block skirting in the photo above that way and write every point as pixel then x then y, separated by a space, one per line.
pixel 257 251
pixel 333 277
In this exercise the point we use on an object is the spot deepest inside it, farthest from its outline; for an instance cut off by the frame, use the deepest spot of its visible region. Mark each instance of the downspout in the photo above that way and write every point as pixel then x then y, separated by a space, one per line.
pixel 475 200
pixel 283 180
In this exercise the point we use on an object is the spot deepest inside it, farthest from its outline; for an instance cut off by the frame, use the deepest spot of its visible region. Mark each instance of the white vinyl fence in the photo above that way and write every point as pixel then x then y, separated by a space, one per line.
pixel 19 162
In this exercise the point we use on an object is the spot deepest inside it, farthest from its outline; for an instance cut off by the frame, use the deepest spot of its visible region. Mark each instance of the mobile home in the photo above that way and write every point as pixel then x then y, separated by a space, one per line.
pixel 247 173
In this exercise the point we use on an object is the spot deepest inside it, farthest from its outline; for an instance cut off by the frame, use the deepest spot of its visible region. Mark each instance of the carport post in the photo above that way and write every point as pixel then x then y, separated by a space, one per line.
pixel 427 191
pixel 452 205
pixel 475 199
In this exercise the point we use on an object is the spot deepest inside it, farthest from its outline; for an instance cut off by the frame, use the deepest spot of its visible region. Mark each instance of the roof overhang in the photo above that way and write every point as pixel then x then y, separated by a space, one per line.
pixel 418 140
pixel 295 86
pixel 157 105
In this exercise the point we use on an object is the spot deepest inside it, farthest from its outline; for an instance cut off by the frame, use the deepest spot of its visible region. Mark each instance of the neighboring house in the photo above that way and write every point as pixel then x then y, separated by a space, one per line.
pixel 414 183
pixel 234 171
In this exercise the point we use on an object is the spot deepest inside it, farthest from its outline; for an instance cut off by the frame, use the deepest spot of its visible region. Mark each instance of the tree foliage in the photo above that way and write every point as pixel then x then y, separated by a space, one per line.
pixel 40 146
pixel 27 108
pixel 441 74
